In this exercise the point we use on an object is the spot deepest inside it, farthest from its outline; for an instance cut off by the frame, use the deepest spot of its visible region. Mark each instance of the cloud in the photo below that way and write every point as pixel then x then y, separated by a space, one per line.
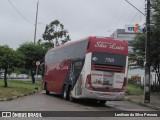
pixel 81 17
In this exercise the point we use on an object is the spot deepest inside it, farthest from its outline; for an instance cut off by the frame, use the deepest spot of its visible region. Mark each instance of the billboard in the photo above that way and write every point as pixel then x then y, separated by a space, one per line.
pixel 135 28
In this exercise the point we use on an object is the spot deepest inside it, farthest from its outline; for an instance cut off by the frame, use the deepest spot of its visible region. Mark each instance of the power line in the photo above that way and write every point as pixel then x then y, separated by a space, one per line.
pixel 38 32
pixel 135 7
pixel 20 12
pixel 121 16
pixel 113 18
pixel 22 15
pixel 135 14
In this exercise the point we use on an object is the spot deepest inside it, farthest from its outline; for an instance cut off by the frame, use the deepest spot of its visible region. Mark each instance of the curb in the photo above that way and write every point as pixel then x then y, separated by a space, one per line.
pixel 15 97
pixel 143 104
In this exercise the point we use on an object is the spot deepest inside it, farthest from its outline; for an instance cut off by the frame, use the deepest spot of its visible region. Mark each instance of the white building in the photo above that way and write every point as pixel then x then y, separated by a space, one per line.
pixel 120 34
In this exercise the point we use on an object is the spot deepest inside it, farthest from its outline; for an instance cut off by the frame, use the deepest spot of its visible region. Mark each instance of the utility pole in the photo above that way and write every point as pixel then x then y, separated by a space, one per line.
pixel 147 57
pixel 36 23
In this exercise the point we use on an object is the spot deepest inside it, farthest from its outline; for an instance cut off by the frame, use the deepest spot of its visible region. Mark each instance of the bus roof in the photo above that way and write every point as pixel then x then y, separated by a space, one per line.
pixel 101 44
pixel 69 43
pixel 108 45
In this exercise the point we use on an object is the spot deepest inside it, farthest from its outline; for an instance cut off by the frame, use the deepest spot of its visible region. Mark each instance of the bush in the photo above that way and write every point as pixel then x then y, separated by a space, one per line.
pixel 136 79
pixel 21 71
pixel 134 89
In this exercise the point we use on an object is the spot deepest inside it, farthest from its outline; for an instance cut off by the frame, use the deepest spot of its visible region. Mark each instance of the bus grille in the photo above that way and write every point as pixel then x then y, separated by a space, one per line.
pixel 107 68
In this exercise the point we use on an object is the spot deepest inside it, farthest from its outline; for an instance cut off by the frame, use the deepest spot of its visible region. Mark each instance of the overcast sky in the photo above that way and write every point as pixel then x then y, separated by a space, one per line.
pixel 81 18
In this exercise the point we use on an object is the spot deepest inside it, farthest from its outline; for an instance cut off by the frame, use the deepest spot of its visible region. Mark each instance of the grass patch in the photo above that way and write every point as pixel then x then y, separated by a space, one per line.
pixel 18 88
pixel 155 94
pixel 134 89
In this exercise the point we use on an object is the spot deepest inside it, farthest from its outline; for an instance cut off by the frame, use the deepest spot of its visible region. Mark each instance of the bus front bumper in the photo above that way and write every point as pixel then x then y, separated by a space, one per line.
pixel 108 96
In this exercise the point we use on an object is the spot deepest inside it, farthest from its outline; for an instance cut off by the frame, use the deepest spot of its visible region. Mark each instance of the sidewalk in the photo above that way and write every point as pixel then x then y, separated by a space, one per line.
pixel 139 99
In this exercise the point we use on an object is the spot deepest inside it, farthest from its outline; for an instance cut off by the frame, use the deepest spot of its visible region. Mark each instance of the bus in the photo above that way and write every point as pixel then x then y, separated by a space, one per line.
pixel 93 68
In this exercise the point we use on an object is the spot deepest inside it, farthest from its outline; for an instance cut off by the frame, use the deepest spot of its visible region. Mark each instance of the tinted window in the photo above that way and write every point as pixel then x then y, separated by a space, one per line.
pixel 74 51
pixel 108 59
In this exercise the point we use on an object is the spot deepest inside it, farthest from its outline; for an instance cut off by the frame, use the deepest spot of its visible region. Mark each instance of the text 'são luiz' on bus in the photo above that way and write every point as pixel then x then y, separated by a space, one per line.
pixel 93 68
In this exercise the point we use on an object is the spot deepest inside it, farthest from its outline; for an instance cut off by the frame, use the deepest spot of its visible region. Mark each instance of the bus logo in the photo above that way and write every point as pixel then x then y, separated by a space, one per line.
pixel 94 58
pixel 113 46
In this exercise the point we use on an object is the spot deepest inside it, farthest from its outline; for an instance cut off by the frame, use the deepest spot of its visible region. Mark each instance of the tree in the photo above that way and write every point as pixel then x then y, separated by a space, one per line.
pixel 9 59
pixel 55 32
pixel 47 45
pixel 139 43
pixel 155 5
pixel 32 54
pixel 155 56
pixel 139 52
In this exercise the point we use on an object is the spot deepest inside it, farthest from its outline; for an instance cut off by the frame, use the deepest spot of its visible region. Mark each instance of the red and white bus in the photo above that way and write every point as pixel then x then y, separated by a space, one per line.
pixel 92 68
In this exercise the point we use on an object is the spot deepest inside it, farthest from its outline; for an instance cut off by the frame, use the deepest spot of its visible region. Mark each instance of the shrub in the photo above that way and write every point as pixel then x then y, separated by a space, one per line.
pixel 136 79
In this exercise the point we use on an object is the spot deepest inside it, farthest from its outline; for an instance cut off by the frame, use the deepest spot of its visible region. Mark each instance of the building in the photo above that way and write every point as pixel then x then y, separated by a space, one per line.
pixel 129 33
pixel 120 34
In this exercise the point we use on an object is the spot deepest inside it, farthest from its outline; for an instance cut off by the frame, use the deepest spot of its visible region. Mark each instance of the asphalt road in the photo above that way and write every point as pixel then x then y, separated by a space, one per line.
pixel 42 102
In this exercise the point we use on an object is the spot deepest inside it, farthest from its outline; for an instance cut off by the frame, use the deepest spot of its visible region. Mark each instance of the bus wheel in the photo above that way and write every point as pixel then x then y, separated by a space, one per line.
pixel 47 92
pixel 102 102
pixel 70 96
pixel 65 93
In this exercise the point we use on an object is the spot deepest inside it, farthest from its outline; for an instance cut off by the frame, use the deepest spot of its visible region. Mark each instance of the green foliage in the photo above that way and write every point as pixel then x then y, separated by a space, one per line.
pixel 10 58
pixel 139 52
pixel 18 88
pixel 136 79
pixel 21 71
pixel 138 45
pixel 155 4
pixel 155 56
pixel 32 53
pixel 132 57
pixel 132 88
pixel 55 31
pixel 47 44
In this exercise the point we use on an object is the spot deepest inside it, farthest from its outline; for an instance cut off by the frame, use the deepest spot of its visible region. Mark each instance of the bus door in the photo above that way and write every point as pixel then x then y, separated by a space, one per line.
pixel 71 74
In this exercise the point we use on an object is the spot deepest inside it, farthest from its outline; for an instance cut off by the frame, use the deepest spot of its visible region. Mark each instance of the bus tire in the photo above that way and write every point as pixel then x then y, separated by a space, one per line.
pixel 65 93
pixel 102 102
pixel 71 99
pixel 47 92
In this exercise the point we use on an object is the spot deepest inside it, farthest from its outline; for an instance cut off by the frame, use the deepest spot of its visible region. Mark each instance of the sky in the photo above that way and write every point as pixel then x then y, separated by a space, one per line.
pixel 82 18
